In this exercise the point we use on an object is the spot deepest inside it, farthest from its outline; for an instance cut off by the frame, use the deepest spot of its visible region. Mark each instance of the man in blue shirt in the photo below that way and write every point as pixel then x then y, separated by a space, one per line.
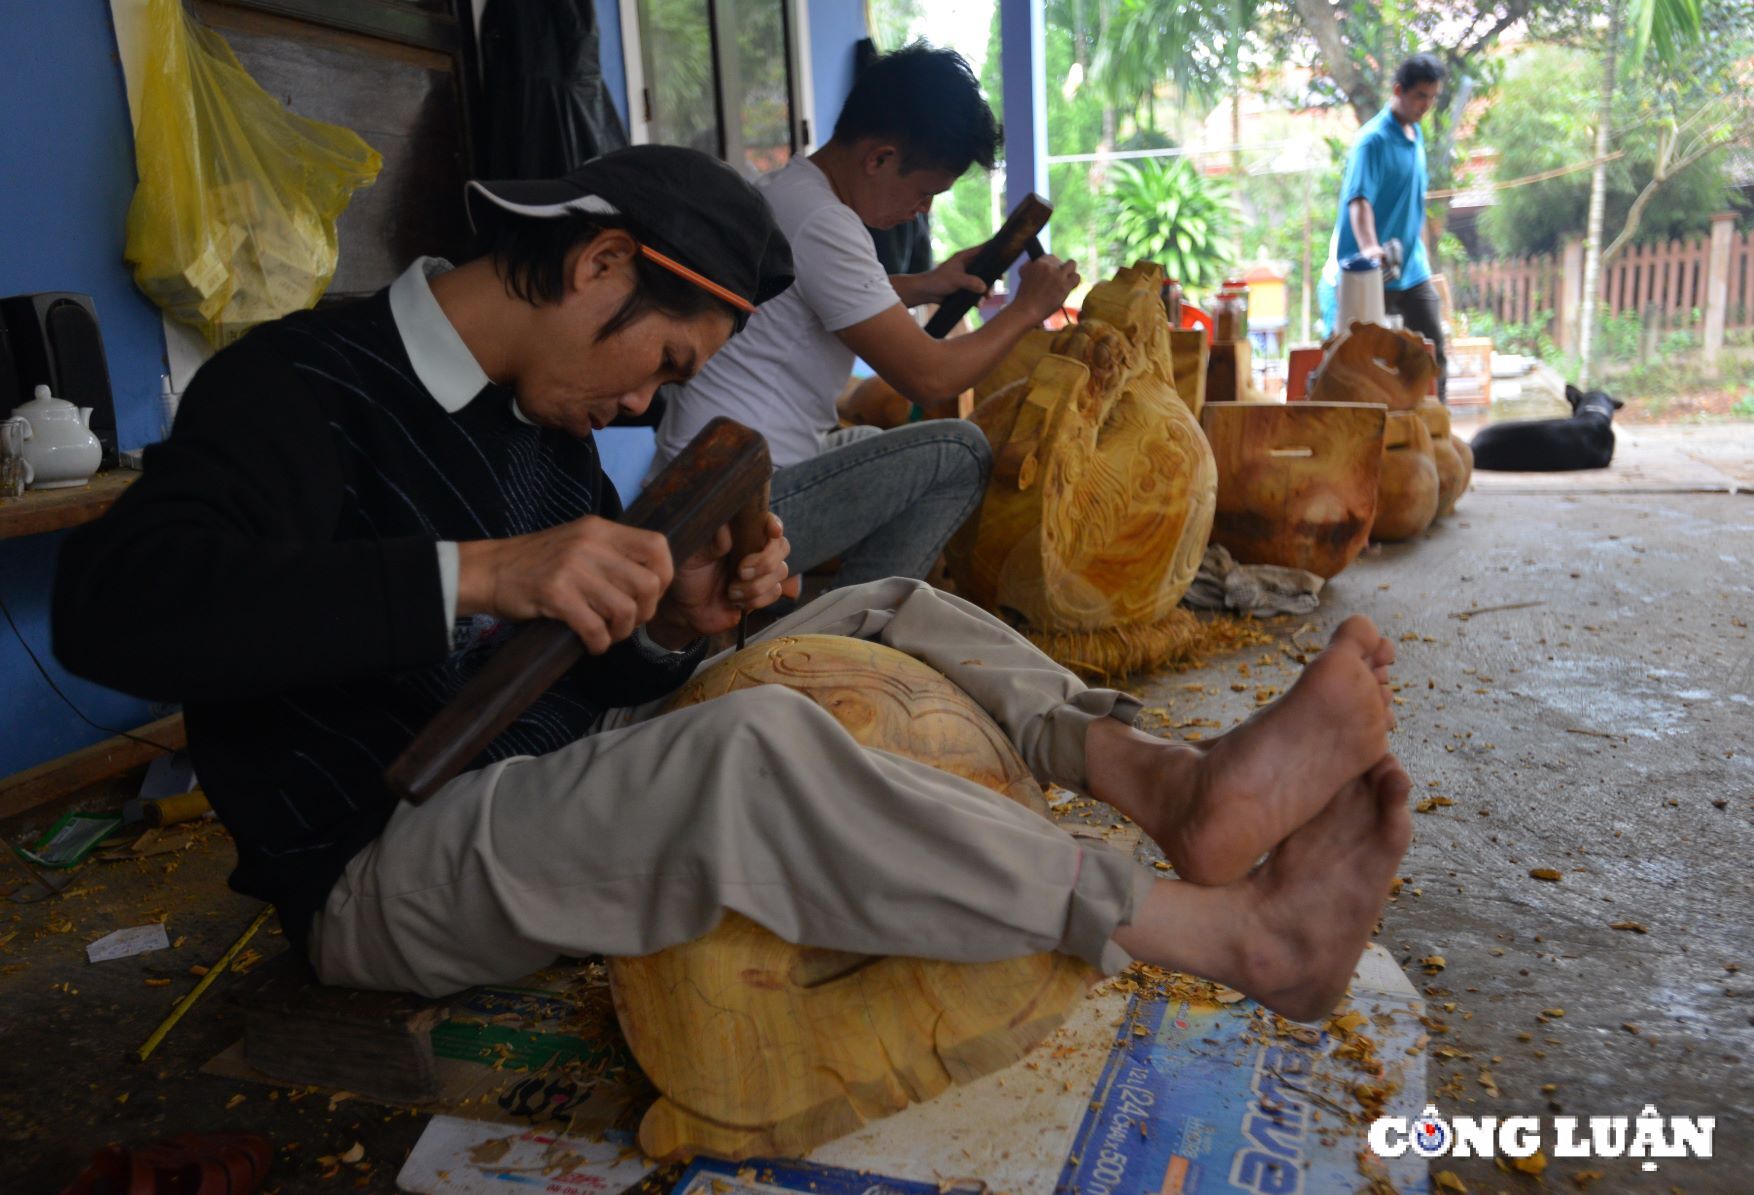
pixel 1383 199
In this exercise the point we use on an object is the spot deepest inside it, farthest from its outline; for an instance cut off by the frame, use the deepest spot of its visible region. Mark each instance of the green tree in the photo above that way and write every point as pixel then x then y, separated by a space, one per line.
pixel 1164 210
pixel 1647 40
pixel 1543 119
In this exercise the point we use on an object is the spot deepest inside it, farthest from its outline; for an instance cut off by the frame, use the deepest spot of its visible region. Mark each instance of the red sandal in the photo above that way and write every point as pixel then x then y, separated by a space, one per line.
pixel 188 1164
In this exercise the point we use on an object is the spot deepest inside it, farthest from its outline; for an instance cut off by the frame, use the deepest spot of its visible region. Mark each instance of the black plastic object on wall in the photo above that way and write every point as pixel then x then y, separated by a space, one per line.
pixel 547 112
pixel 52 339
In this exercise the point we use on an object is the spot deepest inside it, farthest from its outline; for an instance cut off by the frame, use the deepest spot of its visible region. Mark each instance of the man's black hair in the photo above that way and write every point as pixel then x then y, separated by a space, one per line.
pixel 531 256
pixel 1421 68
pixel 929 103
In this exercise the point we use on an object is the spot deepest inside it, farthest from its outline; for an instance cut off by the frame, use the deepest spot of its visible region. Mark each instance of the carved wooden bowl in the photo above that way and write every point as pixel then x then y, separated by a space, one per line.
pixel 760 1047
pixel 1407 495
pixel 1297 482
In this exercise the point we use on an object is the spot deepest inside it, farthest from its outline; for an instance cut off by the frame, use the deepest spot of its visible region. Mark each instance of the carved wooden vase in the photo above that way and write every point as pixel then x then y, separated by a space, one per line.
pixel 760 1047
pixel 1407 494
pixel 1297 482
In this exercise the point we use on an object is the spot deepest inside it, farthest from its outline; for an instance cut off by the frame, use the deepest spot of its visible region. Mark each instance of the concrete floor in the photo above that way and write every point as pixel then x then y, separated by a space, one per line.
pixel 1601 728
pixel 1605 728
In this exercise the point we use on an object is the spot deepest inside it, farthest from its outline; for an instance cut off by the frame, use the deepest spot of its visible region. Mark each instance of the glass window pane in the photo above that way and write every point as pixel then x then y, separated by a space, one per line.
pixel 677 44
pixel 757 84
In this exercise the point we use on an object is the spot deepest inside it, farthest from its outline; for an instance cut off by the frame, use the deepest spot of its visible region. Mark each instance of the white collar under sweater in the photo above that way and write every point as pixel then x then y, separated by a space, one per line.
pixel 453 376
pixel 435 348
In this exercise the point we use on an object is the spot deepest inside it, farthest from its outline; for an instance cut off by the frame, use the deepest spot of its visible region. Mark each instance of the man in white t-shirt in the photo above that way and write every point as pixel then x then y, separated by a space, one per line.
pixel 885 502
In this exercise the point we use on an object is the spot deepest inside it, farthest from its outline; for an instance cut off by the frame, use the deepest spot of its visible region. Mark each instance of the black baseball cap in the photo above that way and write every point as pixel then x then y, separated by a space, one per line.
pixel 693 214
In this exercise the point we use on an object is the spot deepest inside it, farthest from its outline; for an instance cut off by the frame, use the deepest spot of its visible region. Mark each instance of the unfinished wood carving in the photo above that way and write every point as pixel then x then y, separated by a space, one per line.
pixel 760 1047
pixel 1230 373
pixel 873 402
pixel 1297 482
pixel 1465 451
pixel 1188 356
pixel 1017 364
pixel 1452 470
pixel 1371 363
pixel 1102 490
pixel 1407 495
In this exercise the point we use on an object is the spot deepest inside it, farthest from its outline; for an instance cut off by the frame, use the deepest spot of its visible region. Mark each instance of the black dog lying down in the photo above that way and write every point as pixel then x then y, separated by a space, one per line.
pixel 1585 441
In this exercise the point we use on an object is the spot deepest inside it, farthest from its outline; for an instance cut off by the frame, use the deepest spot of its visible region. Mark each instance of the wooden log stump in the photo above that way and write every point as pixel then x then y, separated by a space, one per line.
pixel 760 1047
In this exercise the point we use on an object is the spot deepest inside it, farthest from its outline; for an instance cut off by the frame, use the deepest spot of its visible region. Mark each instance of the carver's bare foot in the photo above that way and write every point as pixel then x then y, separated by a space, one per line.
pixel 1290 933
pixel 1315 901
pixel 1216 809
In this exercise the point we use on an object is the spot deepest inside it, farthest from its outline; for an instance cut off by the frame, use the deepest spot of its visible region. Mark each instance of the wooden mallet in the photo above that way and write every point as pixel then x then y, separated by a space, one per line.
pixel 720 478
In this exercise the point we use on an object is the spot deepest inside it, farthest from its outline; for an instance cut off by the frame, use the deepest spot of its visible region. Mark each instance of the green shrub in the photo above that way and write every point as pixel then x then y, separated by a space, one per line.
pixel 1532 339
pixel 1165 210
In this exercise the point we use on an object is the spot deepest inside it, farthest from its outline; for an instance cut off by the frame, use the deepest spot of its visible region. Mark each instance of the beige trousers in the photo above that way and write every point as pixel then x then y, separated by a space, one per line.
pixel 642 833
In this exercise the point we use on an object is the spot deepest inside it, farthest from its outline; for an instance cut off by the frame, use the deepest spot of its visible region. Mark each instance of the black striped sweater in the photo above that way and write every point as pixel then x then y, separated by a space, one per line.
pixel 275 571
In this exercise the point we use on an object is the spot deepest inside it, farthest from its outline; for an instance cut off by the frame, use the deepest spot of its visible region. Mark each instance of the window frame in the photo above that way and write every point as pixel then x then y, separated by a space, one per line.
pixel 797 27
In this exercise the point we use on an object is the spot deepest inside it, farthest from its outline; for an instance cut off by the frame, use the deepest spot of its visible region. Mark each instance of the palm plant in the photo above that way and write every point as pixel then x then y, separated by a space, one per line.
pixel 1164 210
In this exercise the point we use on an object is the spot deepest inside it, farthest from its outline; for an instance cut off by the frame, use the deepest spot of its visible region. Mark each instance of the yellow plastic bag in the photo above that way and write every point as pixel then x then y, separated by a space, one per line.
pixel 233 222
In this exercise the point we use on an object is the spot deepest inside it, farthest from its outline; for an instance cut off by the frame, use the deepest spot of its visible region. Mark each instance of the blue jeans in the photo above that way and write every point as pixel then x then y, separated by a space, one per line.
pixel 886 502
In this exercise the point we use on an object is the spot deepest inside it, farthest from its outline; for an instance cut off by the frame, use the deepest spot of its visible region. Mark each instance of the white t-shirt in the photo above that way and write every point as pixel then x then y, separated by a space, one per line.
pixel 781 374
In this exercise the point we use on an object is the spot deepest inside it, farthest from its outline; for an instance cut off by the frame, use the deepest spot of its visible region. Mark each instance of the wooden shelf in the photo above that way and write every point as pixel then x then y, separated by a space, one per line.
pixel 53 510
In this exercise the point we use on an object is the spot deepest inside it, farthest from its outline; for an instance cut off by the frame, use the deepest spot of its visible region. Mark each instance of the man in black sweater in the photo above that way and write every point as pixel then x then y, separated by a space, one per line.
pixel 357 502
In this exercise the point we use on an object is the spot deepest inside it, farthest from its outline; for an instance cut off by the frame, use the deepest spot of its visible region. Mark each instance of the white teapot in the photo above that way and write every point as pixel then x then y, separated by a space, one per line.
pixel 58 445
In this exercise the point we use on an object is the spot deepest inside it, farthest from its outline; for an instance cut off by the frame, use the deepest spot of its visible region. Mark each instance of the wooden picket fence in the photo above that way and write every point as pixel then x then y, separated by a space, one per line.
pixel 1669 277
pixel 1510 289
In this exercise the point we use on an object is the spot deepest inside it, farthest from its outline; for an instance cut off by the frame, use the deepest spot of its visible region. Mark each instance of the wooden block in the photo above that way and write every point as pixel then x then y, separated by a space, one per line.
pixel 376 1044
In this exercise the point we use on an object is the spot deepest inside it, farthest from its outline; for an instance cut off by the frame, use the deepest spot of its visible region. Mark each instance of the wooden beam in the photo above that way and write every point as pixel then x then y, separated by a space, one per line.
pixel 100 761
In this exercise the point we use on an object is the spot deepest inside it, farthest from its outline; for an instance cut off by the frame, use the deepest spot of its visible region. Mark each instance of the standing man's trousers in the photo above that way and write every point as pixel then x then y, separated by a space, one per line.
pixel 1422 311
pixel 640 835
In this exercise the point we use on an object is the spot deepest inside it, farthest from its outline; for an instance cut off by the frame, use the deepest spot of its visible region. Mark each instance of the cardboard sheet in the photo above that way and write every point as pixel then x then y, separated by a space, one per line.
pixel 472 1157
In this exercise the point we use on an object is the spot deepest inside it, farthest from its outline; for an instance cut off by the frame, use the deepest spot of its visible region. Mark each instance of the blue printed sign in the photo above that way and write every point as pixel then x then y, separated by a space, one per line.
pixel 708 1176
pixel 1197 1104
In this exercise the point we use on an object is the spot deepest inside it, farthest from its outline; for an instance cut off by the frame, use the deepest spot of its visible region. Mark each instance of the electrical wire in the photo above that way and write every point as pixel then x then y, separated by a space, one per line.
pixel 25 643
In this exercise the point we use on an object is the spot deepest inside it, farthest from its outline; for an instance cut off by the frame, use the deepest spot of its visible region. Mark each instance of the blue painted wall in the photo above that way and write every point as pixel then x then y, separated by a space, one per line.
pixel 67 155
pixel 609 54
pixel 835 26
pixel 66 151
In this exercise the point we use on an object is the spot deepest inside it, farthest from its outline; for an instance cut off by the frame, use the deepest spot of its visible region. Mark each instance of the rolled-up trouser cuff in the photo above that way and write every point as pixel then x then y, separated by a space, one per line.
pixel 1108 888
pixel 1067 726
